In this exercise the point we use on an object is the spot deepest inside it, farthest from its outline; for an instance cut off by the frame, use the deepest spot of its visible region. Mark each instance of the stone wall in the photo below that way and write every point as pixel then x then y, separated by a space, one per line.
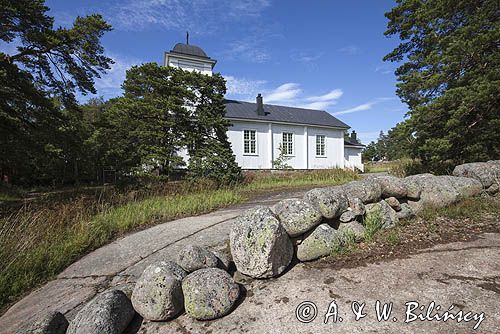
pixel 263 243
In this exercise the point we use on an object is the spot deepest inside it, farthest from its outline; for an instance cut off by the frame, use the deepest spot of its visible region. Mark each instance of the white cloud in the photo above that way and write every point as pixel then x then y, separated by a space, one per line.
pixel 290 93
pixel 364 106
pixel 248 49
pixel 242 87
pixel 349 50
pixel 198 16
pixel 332 95
pixel 286 92
pixel 305 57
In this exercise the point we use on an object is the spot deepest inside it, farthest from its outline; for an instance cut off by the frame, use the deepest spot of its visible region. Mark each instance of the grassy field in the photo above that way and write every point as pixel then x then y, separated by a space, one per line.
pixel 400 168
pixel 42 236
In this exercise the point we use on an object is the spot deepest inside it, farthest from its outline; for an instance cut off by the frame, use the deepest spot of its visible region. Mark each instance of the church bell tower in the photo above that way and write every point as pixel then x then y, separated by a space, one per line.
pixel 189 58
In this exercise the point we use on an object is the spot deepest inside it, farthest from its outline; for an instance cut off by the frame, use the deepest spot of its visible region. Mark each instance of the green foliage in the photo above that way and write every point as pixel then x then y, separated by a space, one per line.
pixel 164 110
pixel 373 222
pixel 396 144
pixel 38 241
pixel 449 78
pixel 38 81
pixel 406 167
pixel 281 160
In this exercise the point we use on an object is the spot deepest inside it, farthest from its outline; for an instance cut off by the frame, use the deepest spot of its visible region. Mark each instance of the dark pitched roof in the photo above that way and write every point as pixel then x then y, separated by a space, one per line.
pixel 188 49
pixel 351 142
pixel 247 110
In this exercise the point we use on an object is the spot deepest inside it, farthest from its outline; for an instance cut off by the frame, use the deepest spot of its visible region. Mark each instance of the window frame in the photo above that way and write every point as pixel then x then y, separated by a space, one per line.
pixel 250 141
pixel 324 146
pixel 292 143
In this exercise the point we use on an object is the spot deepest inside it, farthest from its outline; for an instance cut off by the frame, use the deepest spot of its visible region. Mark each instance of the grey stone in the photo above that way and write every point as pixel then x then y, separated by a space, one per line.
pixel 388 215
pixel 259 244
pixel 296 216
pixel 209 293
pixel 413 188
pixel 416 206
pixel 353 228
pixel 368 190
pixel 192 258
pixel 223 254
pixel 347 216
pixel 393 203
pixel 488 173
pixel 392 186
pixel 108 313
pixel 357 206
pixel 330 202
pixel 321 242
pixel 157 294
pixel 50 323
pixel 405 212
pixel 436 191
pixel 466 187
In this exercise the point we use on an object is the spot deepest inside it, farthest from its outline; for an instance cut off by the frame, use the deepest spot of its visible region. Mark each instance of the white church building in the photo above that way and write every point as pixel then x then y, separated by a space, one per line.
pixel 259 132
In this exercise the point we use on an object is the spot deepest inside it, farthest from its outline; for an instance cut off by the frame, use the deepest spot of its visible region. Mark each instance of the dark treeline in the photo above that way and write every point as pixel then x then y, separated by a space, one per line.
pixel 48 138
pixel 450 79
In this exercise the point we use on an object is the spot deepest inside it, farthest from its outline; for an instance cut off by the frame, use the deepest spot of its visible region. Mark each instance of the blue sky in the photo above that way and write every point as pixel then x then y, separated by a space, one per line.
pixel 319 54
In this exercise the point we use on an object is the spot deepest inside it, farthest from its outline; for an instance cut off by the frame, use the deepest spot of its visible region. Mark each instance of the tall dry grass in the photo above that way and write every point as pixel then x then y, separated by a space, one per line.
pixel 43 236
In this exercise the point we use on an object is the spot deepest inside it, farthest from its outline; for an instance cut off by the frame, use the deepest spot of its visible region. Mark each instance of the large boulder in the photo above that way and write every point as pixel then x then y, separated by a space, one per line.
pixel 330 202
pixel 192 258
pixel 296 216
pixel 437 191
pixel 108 313
pixel 157 294
pixel 466 187
pixel 50 323
pixel 387 214
pixel 321 242
pixel 413 188
pixel 209 293
pixel 392 186
pixel 259 244
pixel 488 173
pixel 368 190
pixel 352 229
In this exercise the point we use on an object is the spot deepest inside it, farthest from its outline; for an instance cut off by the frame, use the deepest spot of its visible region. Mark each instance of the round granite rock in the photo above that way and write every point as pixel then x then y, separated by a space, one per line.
pixel 259 244
pixel 321 242
pixel 50 323
pixel 296 216
pixel 108 313
pixel 209 293
pixel 157 294
pixel 330 202
pixel 192 258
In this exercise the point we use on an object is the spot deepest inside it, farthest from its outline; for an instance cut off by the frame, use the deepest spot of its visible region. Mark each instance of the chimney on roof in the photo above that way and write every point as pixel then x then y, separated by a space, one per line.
pixel 260 105
pixel 354 136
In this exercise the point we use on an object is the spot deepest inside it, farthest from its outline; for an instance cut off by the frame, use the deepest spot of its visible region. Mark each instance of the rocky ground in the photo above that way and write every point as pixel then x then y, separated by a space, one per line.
pixel 453 262
pixel 442 265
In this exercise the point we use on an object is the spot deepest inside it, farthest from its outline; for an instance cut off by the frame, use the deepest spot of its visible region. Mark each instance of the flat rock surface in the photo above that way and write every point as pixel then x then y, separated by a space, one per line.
pixel 124 260
pixel 463 274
